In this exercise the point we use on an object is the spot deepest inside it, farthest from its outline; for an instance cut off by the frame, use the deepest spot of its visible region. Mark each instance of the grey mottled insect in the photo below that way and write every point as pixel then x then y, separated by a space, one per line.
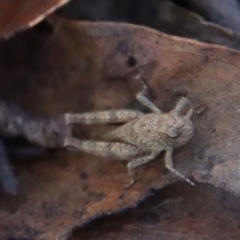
pixel 141 137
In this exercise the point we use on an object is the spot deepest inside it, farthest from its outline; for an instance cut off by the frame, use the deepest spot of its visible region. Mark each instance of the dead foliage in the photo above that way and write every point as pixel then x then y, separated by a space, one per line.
pixel 82 66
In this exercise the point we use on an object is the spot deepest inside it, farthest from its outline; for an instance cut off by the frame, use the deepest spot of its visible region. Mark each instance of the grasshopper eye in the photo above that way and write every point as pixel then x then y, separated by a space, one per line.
pixel 173 132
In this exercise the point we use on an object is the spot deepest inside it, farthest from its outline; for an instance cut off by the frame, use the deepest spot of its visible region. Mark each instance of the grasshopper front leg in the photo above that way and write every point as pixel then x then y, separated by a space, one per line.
pixel 137 163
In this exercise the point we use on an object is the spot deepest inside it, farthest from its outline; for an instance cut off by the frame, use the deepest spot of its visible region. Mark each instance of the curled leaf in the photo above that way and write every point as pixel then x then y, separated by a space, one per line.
pixel 19 15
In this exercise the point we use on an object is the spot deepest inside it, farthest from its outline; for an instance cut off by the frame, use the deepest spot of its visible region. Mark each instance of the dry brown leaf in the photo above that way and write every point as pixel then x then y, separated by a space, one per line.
pixel 22 14
pixel 167 17
pixel 175 213
pixel 93 66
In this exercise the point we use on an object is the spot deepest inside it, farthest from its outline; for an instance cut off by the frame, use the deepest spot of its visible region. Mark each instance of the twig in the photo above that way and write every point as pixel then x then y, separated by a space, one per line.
pixel 43 132
pixel 14 122
pixel 7 177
